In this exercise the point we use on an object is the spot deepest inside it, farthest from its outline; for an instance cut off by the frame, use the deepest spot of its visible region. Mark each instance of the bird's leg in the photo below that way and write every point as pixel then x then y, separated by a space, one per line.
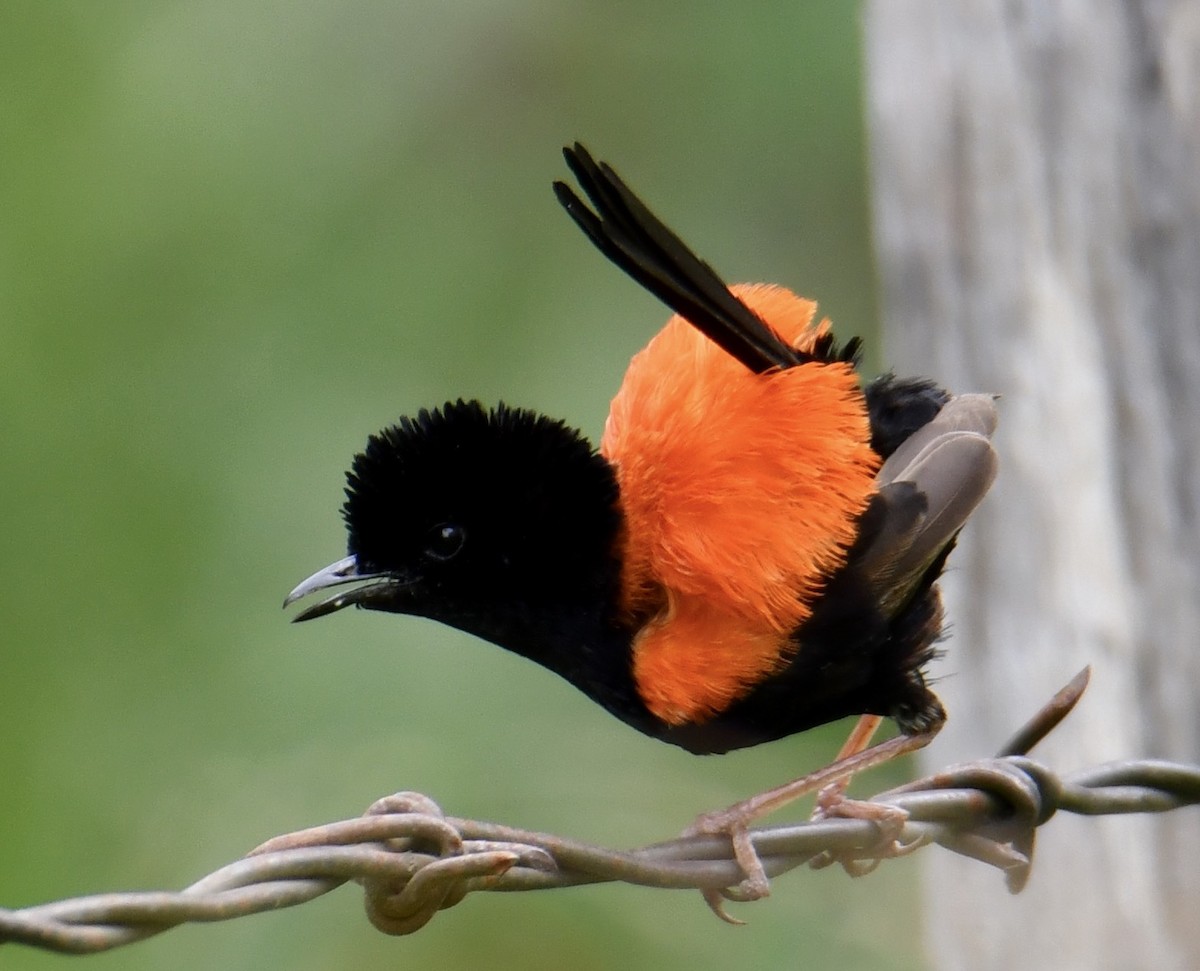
pixel 735 820
pixel 860 737
pixel 832 802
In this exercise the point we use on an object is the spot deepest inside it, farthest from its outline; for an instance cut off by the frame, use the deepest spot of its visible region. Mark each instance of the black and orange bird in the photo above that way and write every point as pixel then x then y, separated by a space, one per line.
pixel 752 551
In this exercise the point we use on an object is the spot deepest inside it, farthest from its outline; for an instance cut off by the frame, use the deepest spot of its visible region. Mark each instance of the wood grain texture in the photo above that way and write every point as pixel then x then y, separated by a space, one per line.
pixel 1036 171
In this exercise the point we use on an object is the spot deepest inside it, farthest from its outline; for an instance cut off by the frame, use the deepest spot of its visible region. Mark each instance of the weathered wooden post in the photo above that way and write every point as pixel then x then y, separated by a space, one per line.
pixel 1036 172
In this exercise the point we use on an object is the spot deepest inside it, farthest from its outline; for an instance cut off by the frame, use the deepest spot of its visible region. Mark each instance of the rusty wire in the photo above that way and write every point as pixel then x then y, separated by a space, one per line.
pixel 413 861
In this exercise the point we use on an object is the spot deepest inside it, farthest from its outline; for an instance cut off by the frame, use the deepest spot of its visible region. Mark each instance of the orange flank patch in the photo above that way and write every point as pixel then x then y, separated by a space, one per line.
pixel 696 659
pixel 740 493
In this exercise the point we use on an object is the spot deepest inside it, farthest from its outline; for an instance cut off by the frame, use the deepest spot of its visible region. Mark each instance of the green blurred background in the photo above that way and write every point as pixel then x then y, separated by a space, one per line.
pixel 237 238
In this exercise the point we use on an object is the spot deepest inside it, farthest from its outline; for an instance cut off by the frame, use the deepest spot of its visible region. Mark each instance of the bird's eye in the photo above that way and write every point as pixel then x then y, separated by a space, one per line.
pixel 444 541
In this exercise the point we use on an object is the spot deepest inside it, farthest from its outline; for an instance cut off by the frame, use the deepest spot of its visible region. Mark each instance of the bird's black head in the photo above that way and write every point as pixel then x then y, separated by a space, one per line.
pixel 485 519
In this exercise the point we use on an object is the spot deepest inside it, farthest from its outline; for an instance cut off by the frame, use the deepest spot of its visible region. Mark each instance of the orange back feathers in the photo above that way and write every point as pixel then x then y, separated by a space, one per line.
pixel 740 492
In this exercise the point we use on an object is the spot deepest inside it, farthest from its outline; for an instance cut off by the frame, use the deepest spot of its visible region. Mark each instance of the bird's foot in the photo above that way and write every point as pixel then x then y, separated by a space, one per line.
pixel 733 822
pixel 890 820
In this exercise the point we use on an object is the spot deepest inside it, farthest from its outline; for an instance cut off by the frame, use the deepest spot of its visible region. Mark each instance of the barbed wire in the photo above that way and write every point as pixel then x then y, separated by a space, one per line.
pixel 413 861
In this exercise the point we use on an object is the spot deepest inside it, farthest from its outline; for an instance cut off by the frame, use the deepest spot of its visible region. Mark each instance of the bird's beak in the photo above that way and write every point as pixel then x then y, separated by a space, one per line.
pixel 375 591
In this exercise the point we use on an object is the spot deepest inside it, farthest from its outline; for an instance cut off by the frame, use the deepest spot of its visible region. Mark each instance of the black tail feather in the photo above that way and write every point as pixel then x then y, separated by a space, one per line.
pixel 625 231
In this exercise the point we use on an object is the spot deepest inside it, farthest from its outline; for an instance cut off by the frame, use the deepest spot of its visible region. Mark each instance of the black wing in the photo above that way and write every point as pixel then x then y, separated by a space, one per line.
pixel 630 235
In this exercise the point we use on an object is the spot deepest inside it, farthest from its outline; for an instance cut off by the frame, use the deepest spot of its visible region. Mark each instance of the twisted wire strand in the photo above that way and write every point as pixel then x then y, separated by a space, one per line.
pixel 413 861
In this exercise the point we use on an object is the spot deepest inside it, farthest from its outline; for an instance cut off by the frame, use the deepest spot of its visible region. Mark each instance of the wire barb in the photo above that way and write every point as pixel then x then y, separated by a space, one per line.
pixel 413 861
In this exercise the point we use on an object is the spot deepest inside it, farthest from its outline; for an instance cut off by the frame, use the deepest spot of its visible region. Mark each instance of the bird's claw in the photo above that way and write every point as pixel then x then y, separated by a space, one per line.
pixel 889 820
pixel 755 885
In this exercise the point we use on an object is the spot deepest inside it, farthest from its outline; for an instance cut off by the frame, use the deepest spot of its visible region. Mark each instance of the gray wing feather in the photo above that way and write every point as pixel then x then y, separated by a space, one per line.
pixel 928 488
